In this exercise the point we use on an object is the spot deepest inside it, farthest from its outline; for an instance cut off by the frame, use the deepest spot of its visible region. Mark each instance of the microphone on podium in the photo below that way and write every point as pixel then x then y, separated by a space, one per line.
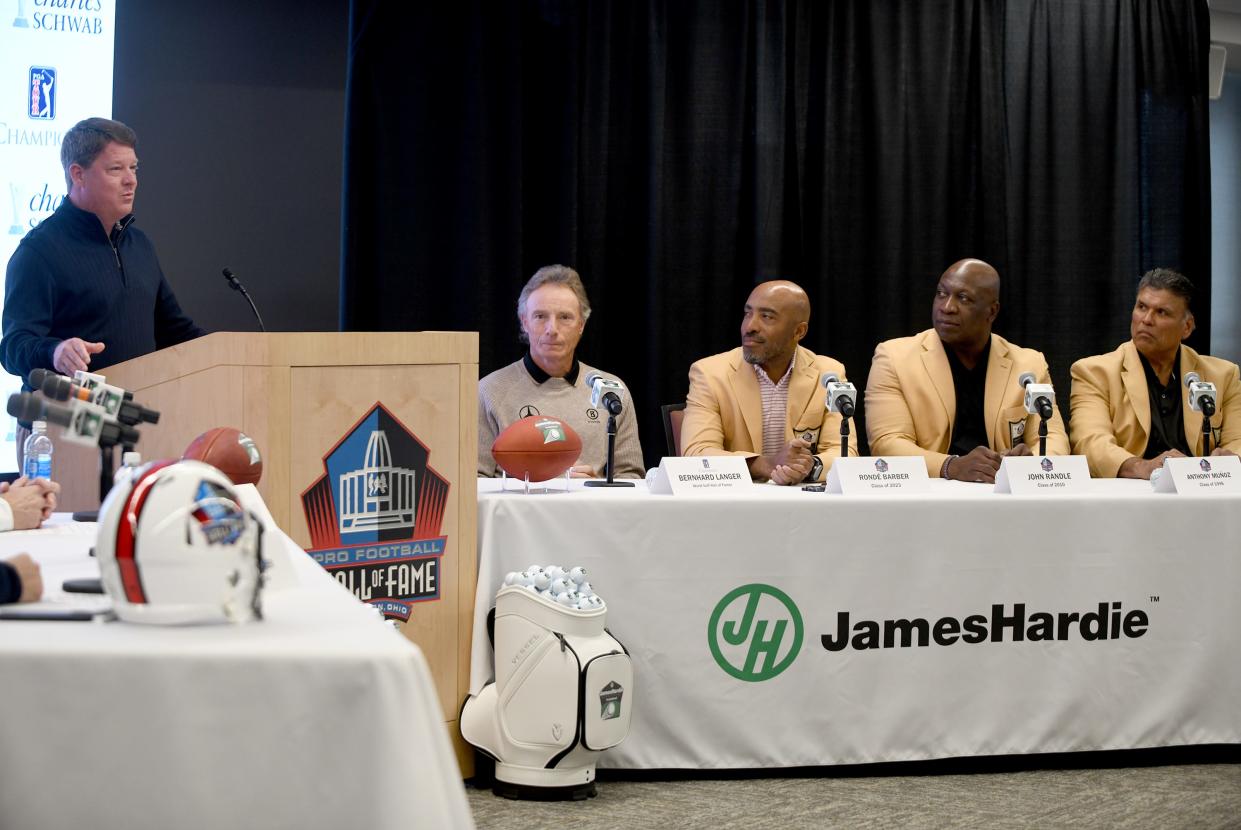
pixel 236 285
pixel 85 423
pixel 114 400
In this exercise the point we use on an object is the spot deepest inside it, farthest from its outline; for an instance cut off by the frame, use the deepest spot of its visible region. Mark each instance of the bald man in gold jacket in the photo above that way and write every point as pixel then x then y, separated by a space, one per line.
pixel 912 400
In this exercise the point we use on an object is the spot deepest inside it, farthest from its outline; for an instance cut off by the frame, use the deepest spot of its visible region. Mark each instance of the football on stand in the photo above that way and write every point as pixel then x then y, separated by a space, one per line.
pixel 540 446
pixel 230 451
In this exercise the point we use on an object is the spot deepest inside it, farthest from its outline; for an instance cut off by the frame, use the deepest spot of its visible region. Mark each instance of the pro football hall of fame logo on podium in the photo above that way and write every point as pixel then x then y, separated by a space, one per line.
pixel 375 515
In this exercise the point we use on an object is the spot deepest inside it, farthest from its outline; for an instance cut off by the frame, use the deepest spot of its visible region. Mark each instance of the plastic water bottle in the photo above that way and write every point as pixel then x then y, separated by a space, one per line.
pixel 130 462
pixel 38 453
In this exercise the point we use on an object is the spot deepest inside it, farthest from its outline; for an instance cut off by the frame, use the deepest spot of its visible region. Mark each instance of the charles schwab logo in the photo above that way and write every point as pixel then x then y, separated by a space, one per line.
pixel 755 632
pixel 375 515
pixel 70 16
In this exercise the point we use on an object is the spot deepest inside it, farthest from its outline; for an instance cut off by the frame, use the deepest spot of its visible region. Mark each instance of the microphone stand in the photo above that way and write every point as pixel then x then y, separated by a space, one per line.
pixel 844 434
pixel 611 459
pixel 1042 435
pixel 1208 409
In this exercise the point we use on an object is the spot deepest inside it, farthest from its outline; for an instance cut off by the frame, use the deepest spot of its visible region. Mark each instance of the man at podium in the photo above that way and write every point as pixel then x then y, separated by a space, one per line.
pixel 84 289
pixel 549 380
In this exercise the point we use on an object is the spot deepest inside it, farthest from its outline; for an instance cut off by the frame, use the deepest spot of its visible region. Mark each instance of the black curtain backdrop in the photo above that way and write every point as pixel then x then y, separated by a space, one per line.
pixel 677 152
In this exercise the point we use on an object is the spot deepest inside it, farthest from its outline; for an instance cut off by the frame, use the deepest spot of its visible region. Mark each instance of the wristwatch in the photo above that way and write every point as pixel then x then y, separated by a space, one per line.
pixel 816 469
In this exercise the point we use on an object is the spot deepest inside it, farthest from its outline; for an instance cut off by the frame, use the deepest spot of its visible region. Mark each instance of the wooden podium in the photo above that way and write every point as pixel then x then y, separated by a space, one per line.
pixel 298 395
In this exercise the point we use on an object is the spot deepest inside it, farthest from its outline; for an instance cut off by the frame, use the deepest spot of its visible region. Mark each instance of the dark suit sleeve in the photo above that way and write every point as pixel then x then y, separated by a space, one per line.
pixel 172 325
pixel 10 583
pixel 29 292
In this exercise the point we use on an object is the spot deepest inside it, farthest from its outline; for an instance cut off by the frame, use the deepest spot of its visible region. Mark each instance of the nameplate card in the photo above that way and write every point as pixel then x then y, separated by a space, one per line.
pixel 1213 474
pixel 878 475
pixel 1040 475
pixel 710 475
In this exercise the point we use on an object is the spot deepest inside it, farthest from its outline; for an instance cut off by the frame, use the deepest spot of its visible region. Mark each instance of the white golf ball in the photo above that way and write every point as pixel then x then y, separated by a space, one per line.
pixel 554 571
pixel 578 574
pixel 511 578
pixel 565 599
pixel 531 588
pixel 585 589
pixel 532 570
pixel 585 604
pixel 559 585
pixel 525 581
pixel 596 600
pixel 542 580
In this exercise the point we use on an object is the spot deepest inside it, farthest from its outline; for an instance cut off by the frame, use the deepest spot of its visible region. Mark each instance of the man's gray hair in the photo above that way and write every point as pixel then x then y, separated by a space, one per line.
pixel 86 140
pixel 1174 282
pixel 552 275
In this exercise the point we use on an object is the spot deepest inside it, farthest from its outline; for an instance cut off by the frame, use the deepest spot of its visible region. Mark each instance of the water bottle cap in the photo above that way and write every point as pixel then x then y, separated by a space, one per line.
pixel 39 426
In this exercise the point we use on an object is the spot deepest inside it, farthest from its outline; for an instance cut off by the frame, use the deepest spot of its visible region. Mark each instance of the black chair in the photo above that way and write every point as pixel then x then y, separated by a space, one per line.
pixel 673 413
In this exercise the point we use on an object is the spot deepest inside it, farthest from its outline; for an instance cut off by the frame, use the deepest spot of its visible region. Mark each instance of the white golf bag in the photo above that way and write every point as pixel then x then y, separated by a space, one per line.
pixel 563 693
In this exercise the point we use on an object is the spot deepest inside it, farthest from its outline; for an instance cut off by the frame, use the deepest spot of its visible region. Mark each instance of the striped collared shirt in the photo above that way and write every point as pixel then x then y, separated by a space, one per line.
pixel 775 407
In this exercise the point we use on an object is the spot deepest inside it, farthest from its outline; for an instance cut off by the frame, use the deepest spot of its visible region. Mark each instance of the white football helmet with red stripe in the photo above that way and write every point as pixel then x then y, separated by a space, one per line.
pixel 176 547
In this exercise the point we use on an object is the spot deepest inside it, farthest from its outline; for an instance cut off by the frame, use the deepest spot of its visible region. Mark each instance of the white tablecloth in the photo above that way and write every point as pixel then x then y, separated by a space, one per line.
pixel 319 716
pixel 666 564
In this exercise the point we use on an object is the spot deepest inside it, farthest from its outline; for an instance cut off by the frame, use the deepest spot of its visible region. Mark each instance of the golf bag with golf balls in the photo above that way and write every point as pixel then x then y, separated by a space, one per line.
pixel 563 693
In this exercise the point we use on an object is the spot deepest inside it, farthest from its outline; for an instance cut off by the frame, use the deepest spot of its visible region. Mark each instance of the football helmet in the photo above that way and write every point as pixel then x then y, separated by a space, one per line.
pixel 175 547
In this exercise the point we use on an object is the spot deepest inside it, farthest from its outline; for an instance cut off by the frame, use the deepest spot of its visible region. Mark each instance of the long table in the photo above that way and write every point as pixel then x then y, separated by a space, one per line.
pixel 788 628
pixel 320 715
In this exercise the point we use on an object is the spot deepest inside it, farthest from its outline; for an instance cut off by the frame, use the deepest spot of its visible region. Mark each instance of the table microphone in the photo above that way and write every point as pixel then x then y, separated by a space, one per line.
pixel 1040 397
pixel 1201 394
pixel 841 395
pixel 236 285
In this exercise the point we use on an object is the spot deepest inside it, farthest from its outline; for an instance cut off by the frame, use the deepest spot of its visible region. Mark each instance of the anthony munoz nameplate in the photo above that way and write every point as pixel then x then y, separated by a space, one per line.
pixel 1041 475
pixel 1213 474
pixel 878 476
pixel 710 474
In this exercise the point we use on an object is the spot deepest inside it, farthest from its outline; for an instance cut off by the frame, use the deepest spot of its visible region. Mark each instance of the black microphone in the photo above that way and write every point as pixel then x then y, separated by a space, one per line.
pixel 37 376
pixel 840 394
pixel 114 400
pixel 605 390
pixel 236 285
pixel 1038 396
pixel 1201 394
pixel 84 424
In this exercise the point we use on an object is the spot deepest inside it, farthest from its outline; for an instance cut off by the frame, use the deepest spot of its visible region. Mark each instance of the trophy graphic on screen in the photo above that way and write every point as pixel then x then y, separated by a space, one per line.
pixel 20 21
pixel 16 227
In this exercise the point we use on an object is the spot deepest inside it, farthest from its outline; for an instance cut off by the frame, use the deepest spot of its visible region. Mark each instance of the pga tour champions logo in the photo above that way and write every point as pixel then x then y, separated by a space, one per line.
pixel 755 632
pixel 42 93
pixel 375 514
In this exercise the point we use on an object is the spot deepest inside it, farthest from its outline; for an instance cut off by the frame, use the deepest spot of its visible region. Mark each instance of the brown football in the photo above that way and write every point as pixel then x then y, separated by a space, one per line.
pixel 541 446
pixel 230 451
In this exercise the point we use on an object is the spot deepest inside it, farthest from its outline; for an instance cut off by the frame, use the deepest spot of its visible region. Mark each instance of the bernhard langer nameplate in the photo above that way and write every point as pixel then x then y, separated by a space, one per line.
pixel 878 475
pixel 709 475
pixel 1213 474
pixel 1042 475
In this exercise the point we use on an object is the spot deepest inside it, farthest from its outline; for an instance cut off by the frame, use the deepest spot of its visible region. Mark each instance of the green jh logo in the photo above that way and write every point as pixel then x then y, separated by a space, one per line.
pixel 750 645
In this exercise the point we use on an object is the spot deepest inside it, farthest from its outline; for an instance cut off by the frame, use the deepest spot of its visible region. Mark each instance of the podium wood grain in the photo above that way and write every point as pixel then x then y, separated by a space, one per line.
pixel 297 395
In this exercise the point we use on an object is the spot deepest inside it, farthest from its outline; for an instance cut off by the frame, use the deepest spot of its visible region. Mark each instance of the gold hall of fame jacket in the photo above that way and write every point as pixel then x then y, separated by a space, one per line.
pixel 1110 407
pixel 724 407
pixel 911 401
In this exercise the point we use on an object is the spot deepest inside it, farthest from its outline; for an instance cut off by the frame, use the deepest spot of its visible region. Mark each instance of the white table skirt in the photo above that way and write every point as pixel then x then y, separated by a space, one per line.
pixel 664 563
pixel 318 716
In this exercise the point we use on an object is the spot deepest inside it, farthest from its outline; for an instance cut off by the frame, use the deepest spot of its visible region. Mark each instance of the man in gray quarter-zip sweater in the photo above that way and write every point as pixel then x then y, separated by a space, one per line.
pixel 549 380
